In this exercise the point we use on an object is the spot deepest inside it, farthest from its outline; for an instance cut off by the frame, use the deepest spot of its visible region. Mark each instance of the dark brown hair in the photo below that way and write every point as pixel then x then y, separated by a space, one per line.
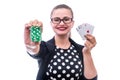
pixel 62 6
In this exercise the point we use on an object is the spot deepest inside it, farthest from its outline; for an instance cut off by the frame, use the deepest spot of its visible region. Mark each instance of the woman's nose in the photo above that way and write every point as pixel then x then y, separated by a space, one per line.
pixel 61 23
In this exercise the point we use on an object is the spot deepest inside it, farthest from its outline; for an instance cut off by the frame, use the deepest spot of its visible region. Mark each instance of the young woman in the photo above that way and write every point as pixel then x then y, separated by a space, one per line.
pixel 61 58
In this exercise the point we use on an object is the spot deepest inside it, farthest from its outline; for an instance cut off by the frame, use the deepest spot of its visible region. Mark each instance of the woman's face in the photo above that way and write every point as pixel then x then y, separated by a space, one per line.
pixel 61 21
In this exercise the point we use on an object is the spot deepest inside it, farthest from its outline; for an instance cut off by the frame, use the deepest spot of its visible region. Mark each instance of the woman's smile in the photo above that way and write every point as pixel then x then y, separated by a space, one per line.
pixel 62 28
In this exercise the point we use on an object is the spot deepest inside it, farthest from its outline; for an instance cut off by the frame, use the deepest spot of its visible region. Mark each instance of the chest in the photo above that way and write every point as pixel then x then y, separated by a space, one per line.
pixel 65 64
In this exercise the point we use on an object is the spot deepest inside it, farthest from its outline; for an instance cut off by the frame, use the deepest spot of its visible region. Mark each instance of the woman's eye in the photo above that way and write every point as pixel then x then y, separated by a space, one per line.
pixel 56 20
pixel 66 19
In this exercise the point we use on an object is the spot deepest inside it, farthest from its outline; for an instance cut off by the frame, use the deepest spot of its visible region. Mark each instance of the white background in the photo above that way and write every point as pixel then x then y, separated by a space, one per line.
pixel 16 64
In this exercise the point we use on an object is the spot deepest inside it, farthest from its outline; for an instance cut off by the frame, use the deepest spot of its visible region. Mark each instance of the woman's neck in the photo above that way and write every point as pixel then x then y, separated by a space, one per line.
pixel 62 41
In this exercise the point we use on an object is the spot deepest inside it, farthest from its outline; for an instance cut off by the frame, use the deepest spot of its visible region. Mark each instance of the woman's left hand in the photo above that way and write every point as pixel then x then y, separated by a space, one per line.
pixel 89 43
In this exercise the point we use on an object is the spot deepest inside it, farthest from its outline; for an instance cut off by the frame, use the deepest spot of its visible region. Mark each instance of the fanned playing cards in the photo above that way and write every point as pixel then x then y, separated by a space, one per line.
pixel 85 29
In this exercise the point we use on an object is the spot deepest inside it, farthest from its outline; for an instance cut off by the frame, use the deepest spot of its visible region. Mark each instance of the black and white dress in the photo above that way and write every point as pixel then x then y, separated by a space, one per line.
pixel 65 65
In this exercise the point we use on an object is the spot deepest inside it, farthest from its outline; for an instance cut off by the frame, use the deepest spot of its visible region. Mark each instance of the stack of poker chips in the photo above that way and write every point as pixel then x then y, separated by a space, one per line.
pixel 35 33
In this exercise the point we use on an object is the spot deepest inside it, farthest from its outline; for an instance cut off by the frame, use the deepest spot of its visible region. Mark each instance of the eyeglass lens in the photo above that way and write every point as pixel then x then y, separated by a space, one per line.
pixel 57 20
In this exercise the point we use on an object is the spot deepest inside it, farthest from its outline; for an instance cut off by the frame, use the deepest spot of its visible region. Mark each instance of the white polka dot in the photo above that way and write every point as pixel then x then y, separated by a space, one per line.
pixel 55 63
pixel 72 78
pixel 77 56
pixel 63 71
pixel 71 47
pixel 62 57
pixel 67 75
pixel 71 63
pixel 58 53
pixel 51 61
pixel 76 66
pixel 51 67
pixel 54 71
pixel 68 51
pixel 72 71
pixel 50 70
pixel 63 78
pixel 81 66
pixel 72 53
pixel 65 54
pixel 51 78
pixel 77 75
pixel 63 64
pixel 80 70
pixel 55 49
pixel 54 79
pixel 61 51
pixel 59 75
pixel 78 78
pixel 69 57
pixel 75 51
pixel 68 67
pixel 48 65
pixel 55 56
pixel 66 60
pixel 47 73
pixel 59 60
pixel 59 67
pixel 74 59
pixel 79 62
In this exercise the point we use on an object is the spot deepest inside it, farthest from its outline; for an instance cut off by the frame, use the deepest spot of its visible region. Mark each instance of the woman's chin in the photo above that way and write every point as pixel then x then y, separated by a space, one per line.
pixel 62 34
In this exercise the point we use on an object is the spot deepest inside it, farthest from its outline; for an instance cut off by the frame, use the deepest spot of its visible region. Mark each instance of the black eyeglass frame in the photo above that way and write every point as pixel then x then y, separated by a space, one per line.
pixel 65 22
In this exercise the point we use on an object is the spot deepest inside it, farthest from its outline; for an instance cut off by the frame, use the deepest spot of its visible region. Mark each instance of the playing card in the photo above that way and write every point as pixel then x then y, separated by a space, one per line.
pixel 85 29
pixel 80 31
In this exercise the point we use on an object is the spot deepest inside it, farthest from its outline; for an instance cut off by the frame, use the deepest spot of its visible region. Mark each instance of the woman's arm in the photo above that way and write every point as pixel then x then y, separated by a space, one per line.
pixel 89 67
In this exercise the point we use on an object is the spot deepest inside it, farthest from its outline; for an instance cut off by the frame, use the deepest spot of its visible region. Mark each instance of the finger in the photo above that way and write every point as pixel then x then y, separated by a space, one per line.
pixel 40 24
pixel 27 37
pixel 87 44
pixel 90 38
pixel 27 26
pixel 35 22
pixel 90 45
pixel 26 30
pixel 27 33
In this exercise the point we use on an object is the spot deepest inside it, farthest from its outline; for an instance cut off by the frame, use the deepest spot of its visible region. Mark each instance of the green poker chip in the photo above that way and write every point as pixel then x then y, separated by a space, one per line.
pixel 35 33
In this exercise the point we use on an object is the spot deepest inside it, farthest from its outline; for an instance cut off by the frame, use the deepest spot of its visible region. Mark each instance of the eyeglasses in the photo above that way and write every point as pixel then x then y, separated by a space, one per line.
pixel 65 20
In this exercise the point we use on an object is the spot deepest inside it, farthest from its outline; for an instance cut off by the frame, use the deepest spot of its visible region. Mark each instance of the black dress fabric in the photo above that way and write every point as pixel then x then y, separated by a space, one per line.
pixel 65 65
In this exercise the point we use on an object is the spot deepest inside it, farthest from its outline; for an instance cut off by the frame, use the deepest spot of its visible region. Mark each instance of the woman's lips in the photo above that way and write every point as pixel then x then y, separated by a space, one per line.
pixel 62 28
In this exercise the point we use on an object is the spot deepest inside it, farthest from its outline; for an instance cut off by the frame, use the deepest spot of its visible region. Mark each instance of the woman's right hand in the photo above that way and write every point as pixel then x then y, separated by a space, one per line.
pixel 31 46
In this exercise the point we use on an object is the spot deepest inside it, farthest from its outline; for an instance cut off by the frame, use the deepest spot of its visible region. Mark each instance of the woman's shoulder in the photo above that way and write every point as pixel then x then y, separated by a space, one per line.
pixel 48 42
pixel 75 43
pixel 48 45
